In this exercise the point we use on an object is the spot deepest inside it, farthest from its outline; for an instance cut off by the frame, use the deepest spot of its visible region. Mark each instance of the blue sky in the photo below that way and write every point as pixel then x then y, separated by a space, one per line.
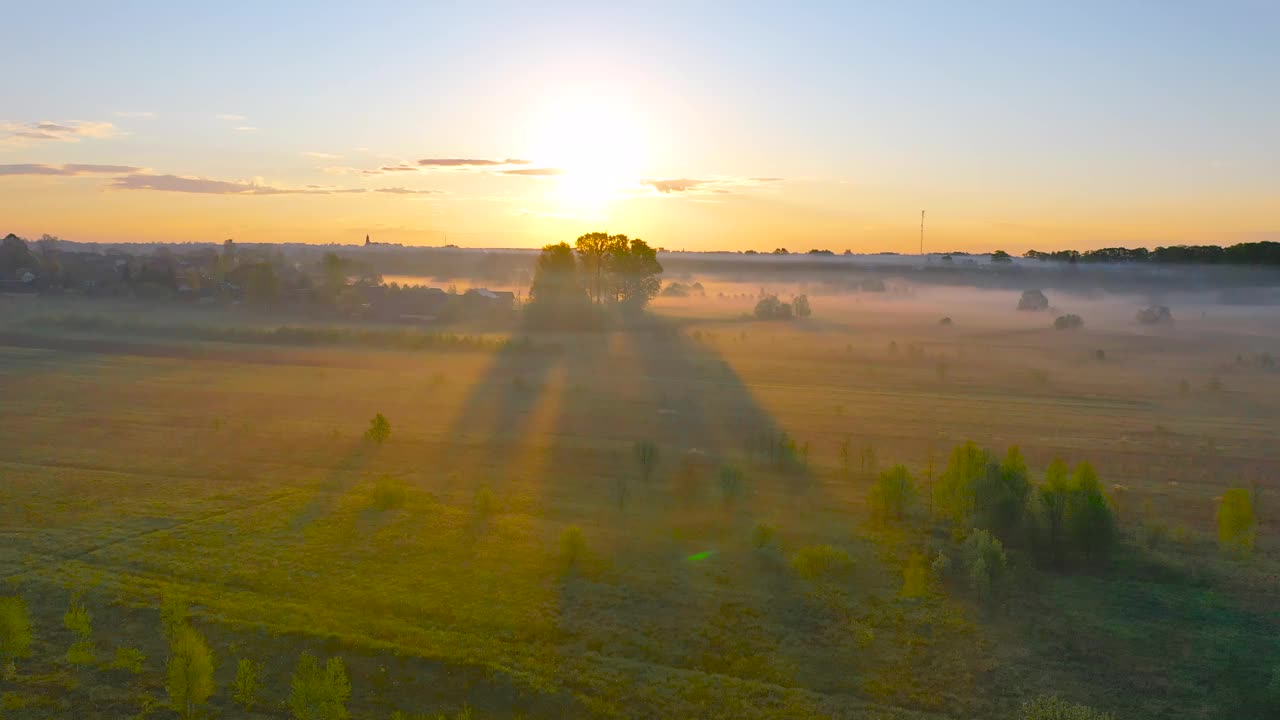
pixel 1018 124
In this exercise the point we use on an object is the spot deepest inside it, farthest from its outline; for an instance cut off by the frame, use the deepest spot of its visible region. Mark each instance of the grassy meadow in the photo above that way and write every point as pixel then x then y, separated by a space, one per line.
pixel 229 470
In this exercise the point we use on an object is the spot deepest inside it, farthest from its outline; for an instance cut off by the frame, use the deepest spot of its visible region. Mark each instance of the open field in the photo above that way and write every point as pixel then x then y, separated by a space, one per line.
pixel 234 474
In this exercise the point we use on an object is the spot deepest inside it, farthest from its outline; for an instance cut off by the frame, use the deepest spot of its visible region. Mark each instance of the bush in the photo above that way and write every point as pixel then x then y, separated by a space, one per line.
pixel 1054 708
pixel 646 452
pixel 379 429
pixel 731 483
pixel 388 494
pixel 1236 522
pixel 893 494
pixel 485 505
pixel 248 683
pixel 129 659
pixel 15 634
pixel 821 561
pixel 1155 315
pixel 1033 300
pixel 189 670
pixel 78 620
pixel 763 536
pixel 916 576
pixel 801 306
pixel 771 308
pixel 317 693
pixel 986 562
pixel 573 547
pixel 1068 322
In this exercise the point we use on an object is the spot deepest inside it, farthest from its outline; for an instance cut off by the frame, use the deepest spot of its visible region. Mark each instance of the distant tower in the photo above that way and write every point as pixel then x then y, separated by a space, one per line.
pixel 921 232
pixel 366 241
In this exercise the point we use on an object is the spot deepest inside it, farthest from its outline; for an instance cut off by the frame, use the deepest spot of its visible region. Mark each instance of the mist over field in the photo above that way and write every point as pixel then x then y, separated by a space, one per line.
pixel 613 361
pixel 510 484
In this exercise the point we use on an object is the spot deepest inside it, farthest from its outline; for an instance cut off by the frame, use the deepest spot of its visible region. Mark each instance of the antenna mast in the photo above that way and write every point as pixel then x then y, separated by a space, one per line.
pixel 922 232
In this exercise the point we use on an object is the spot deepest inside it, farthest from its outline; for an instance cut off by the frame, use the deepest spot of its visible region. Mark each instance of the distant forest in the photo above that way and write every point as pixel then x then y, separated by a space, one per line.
pixel 1253 253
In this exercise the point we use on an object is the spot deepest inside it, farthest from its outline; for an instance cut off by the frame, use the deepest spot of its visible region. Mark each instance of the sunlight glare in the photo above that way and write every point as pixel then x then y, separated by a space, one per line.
pixel 599 143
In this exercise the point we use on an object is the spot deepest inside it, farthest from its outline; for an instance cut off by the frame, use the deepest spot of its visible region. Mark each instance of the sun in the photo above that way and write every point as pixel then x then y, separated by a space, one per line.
pixel 598 144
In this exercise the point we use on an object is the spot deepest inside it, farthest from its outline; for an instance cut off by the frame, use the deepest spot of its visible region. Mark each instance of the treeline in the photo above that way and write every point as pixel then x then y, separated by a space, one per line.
pixel 317 691
pixel 1253 253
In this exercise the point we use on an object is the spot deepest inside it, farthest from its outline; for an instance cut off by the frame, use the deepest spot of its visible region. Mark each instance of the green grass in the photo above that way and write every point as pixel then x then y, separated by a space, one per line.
pixel 434 564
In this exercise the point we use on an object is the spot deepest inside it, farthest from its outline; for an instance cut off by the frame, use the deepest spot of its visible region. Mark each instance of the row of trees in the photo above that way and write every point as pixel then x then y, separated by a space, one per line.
pixel 316 692
pixel 1252 253
pixel 571 284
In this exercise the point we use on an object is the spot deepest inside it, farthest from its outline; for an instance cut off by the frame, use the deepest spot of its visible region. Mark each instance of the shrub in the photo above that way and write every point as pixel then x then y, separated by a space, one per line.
pixel 1236 522
pixel 986 562
pixel 731 483
pixel 821 561
pixel 893 494
pixel 763 536
pixel 189 670
pixel 15 634
pixel 646 452
pixel 173 614
pixel 129 659
pixel 1054 708
pixel 484 503
pixel 800 305
pixel 248 683
pixel 915 576
pixel 1155 315
pixel 1033 300
pixel 379 429
pixel 317 693
pixel 388 493
pixel 1068 322
pixel 771 308
pixel 78 620
pixel 945 321
pixel 573 547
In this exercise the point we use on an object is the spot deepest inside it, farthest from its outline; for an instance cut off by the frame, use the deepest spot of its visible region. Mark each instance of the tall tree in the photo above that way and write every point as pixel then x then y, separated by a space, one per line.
pixel 1090 521
pixel 596 251
pixel 634 269
pixel 1000 496
pixel 190 671
pixel 556 296
pixel 954 493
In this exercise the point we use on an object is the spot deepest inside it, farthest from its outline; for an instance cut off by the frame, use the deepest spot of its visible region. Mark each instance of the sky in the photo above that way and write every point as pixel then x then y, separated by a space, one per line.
pixel 694 125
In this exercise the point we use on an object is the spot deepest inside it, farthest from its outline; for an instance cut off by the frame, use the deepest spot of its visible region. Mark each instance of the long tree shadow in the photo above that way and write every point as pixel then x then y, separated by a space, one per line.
pixel 699 596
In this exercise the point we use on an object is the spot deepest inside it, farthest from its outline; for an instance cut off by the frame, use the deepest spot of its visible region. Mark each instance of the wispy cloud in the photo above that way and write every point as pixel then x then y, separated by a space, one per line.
pixel 533 171
pixel 64 170
pixel 204 186
pixel 468 162
pixel 321 155
pixel 23 134
pixel 714 185
pixel 246 128
pixel 451 164
pixel 231 117
pixel 407 191
pixel 209 186
pixel 135 114
pixel 670 186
